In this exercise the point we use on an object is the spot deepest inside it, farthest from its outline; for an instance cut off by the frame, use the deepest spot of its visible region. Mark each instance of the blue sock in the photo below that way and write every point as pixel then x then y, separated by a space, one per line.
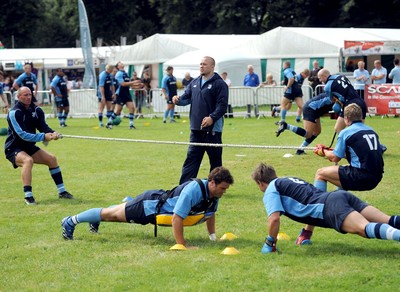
pixel 166 114
pixel 171 114
pixel 131 116
pixel 100 117
pixel 320 184
pixel 298 118
pixel 382 231
pixel 59 116
pixel 91 215
pixel 283 115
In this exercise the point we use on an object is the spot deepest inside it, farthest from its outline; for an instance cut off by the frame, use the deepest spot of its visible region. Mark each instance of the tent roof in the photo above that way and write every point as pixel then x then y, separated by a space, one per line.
pixel 162 47
pixel 305 41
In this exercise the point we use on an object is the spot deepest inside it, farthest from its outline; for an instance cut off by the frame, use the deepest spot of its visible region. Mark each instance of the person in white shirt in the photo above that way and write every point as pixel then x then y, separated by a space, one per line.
pixel 361 77
pixel 378 75
pixel 395 73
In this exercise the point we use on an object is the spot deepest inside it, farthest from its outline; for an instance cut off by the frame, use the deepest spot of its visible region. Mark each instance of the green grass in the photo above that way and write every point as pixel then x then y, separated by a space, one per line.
pixel 123 257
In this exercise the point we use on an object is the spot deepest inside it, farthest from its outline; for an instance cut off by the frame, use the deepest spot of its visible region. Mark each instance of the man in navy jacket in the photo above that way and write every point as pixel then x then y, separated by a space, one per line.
pixel 208 96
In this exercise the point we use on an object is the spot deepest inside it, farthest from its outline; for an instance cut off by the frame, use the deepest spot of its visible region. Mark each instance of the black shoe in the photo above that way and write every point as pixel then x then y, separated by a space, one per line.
pixel 132 127
pixel 282 127
pixel 273 112
pixel 300 152
pixel 94 227
pixel 30 201
pixel 109 126
pixel 65 195
pixel 298 120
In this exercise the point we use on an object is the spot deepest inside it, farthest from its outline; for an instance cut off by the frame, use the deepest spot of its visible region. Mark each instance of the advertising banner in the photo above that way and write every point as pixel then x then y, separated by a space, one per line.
pixel 382 99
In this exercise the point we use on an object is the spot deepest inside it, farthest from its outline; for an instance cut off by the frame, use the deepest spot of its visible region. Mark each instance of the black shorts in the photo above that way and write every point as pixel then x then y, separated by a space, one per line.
pixel 358 101
pixel 123 99
pixel 134 210
pixel 62 102
pixel 356 179
pixel 338 205
pixel 312 115
pixel 11 153
pixel 295 92
pixel 108 98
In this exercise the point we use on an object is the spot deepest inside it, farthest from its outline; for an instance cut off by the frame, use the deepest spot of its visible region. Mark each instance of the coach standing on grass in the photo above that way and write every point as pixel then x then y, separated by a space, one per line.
pixel 20 149
pixel 208 96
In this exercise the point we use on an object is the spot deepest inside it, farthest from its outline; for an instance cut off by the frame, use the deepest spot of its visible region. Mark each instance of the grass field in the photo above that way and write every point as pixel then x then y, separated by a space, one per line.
pixel 122 257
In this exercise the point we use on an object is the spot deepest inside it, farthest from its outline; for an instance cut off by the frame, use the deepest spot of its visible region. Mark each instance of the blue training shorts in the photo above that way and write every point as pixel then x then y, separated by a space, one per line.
pixel 338 205
pixel 134 210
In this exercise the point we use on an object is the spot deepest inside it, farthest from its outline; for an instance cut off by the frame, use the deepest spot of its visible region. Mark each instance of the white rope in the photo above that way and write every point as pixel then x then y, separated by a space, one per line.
pixel 184 143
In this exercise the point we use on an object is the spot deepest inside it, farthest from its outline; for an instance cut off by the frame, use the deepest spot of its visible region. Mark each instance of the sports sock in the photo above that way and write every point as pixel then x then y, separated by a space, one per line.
pixel 283 115
pixel 166 114
pixel 113 116
pixel 131 117
pixel 297 130
pixel 91 215
pixel 109 114
pixel 311 139
pixel 58 179
pixel 100 117
pixel 298 118
pixel 382 231
pixel 60 116
pixel 394 221
pixel 171 114
pixel 320 184
pixel 28 191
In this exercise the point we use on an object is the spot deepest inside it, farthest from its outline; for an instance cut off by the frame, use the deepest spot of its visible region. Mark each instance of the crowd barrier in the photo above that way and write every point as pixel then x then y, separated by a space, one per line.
pixel 243 101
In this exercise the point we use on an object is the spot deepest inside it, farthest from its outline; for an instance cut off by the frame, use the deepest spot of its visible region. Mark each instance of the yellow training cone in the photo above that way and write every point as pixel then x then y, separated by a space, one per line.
pixel 230 251
pixel 228 236
pixel 178 247
pixel 283 236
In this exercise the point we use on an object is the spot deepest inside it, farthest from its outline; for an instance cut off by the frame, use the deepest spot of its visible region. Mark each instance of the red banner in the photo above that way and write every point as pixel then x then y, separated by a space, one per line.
pixel 382 99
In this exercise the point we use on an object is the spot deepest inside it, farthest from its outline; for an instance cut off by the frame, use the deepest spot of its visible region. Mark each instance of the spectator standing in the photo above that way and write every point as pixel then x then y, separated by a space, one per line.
pixel 5 107
pixel 251 78
pixel 224 76
pixel 313 78
pixel 146 80
pixel 60 91
pixel 361 77
pixel 139 96
pixel 169 89
pixel 29 80
pixel 378 75
pixel 395 73
pixel 208 96
pixel 20 146
pixel 186 81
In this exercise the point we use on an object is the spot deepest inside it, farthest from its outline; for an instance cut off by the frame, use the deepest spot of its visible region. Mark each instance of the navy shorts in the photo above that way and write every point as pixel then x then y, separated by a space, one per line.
pixel 123 99
pixel 358 101
pixel 11 153
pixel 108 98
pixel 357 179
pixel 62 102
pixel 338 205
pixel 312 115
pixel 294 93
pixel 134 210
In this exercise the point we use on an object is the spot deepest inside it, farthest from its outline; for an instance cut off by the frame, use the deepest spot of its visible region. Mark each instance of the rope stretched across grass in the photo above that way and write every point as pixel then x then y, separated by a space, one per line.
pixel 184 143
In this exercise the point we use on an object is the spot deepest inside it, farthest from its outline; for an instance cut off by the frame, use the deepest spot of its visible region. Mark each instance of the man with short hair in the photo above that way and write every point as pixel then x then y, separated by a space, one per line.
pixel 29 80
pixel 302 202
pixel 193 198
pixel 378 75
pixel 361 77
pixel 208 96
pixel 251 78
pixel 106 93
pixel 395 73
pixel 60 90
pixel 169 89
pixel 20 149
